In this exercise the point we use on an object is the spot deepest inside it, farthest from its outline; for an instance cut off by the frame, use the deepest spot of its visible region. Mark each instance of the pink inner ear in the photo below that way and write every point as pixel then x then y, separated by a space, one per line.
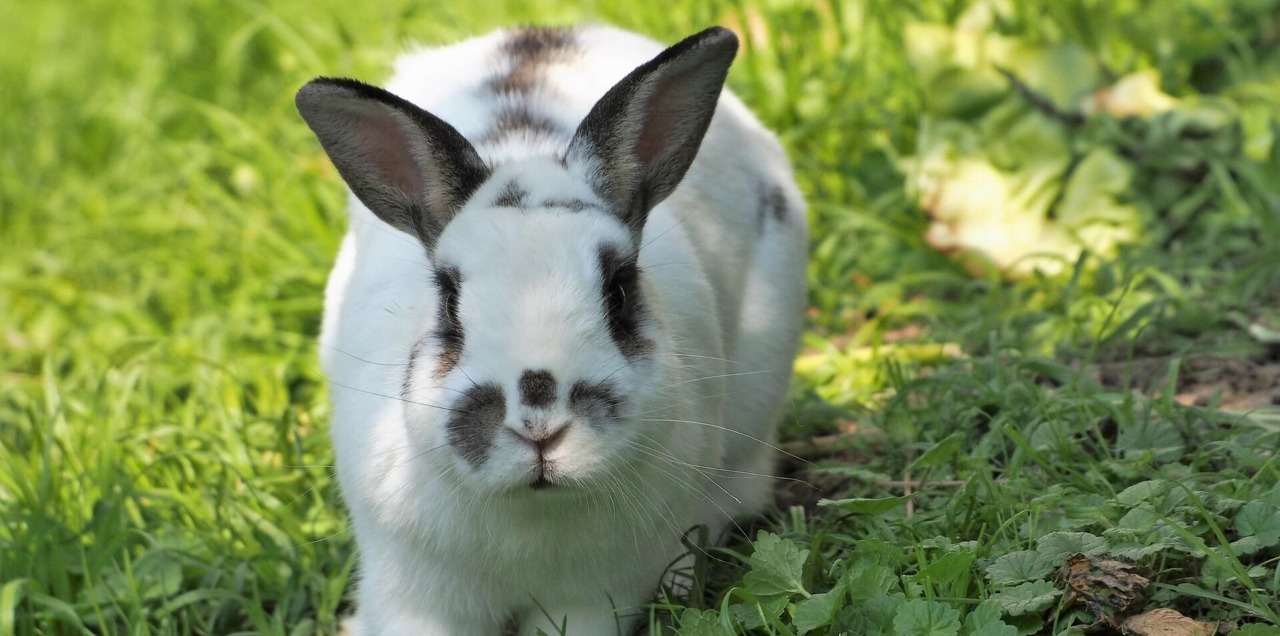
pixel 661 114
pixel 384 143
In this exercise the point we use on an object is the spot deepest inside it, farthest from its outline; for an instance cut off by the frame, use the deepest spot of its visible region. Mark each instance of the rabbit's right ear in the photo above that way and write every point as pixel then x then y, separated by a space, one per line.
pixel 638 141
pixel 406 165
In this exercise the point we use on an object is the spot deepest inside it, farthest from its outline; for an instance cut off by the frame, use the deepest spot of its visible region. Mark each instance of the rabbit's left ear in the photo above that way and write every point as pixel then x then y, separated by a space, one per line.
pixel 639 140
pixel 409 167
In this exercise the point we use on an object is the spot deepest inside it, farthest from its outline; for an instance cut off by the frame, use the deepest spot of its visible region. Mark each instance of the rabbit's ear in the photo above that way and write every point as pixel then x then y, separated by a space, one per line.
pixel 638 141
pixel 406 165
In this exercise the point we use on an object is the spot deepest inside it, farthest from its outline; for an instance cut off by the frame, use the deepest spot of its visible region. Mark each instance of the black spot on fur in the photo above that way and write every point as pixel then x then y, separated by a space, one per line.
pixel 573 205
pixel 512 196
pixel 537 388
pixel 624 307
pixel 448 330
pixel 773 203
pixel 475 421
pixel 595 402
pixel 406 385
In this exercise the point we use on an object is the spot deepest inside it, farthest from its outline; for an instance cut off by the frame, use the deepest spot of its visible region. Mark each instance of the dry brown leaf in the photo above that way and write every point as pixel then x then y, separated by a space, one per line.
pixel 1105 586
pixel 1165 622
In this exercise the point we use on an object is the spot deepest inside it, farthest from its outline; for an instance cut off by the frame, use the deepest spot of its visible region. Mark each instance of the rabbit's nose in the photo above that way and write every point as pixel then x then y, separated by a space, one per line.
pixel 541 438
pixel 537 388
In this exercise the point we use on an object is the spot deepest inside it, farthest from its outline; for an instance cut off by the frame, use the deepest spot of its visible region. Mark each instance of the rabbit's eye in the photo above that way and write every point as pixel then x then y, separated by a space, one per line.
pixel 623 303
pixel 447 281
pixel 621 291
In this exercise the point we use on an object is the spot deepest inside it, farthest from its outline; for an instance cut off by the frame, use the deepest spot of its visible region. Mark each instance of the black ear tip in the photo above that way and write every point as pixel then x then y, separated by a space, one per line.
pixel 317 91
pixel 307 94
pixel 322 93
pixel 717 37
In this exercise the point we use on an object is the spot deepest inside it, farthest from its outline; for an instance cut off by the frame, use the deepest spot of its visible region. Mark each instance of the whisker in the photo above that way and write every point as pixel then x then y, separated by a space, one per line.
pixel 673 460
pixel 716 377
pixel 464 374
pixel 735 432
pixel 693 491
pixel 694 355
pixel 383 228
pixel 390 397
pixel 731 471
pixel 669 518
pixel 356 357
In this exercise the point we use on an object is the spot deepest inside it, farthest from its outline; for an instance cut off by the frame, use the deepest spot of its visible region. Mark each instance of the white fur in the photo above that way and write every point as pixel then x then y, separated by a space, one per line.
pixel 447 550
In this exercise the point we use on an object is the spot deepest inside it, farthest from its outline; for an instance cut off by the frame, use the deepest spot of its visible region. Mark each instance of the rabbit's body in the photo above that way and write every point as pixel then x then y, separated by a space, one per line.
pixel 469 509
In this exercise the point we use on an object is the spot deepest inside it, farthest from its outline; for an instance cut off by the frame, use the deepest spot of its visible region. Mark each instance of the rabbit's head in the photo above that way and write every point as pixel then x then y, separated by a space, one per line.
pixel 546 337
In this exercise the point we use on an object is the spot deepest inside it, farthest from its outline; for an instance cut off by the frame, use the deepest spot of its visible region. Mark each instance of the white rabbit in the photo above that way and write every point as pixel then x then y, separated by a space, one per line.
pixel 560 330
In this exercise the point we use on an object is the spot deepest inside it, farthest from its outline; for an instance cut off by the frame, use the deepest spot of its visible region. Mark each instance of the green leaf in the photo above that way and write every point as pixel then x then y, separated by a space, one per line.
pixel 1260 520
pixel 879 552
pixel 701 623
pixel 1158 439
pixel 873 507
pixel 1016 567
pixel 939 454
pixel 1140 519
pixel 871 617
pixel 1139 551
pixel 818 610
pixel 1026 625
pixel 1055 547
pixel 985 613
pixel 1143 492
pixel 777 567
pixel 1257 630
pixel 1026 598
pixel 946 568
pixel 868 580
pixel 926 618
pixel 757 614
pixel 1273 497
pixel 998 628
pixel 984 620
pixel 10 595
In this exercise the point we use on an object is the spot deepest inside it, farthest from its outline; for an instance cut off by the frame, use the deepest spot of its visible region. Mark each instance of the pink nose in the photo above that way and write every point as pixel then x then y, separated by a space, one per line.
pixel 542 439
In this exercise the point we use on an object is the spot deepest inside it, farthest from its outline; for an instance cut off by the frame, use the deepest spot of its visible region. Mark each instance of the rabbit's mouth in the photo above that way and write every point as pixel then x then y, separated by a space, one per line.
pixel 544 473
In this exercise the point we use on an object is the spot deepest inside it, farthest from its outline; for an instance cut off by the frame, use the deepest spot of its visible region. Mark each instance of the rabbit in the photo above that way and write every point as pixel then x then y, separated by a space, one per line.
pixel 560 330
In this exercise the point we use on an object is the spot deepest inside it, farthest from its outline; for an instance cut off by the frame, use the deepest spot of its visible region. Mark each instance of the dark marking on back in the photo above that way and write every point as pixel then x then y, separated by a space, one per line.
pixel 773 203
pixel 573 205
pixel 475 421
pixel 537 388
pixel 520 120
pixel 624 306
pixel 448 331
pixel 595 402
pixel 512 196
pixel 529 49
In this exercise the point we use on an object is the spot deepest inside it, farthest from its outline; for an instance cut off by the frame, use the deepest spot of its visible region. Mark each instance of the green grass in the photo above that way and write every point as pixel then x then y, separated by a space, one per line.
pixel 166 224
